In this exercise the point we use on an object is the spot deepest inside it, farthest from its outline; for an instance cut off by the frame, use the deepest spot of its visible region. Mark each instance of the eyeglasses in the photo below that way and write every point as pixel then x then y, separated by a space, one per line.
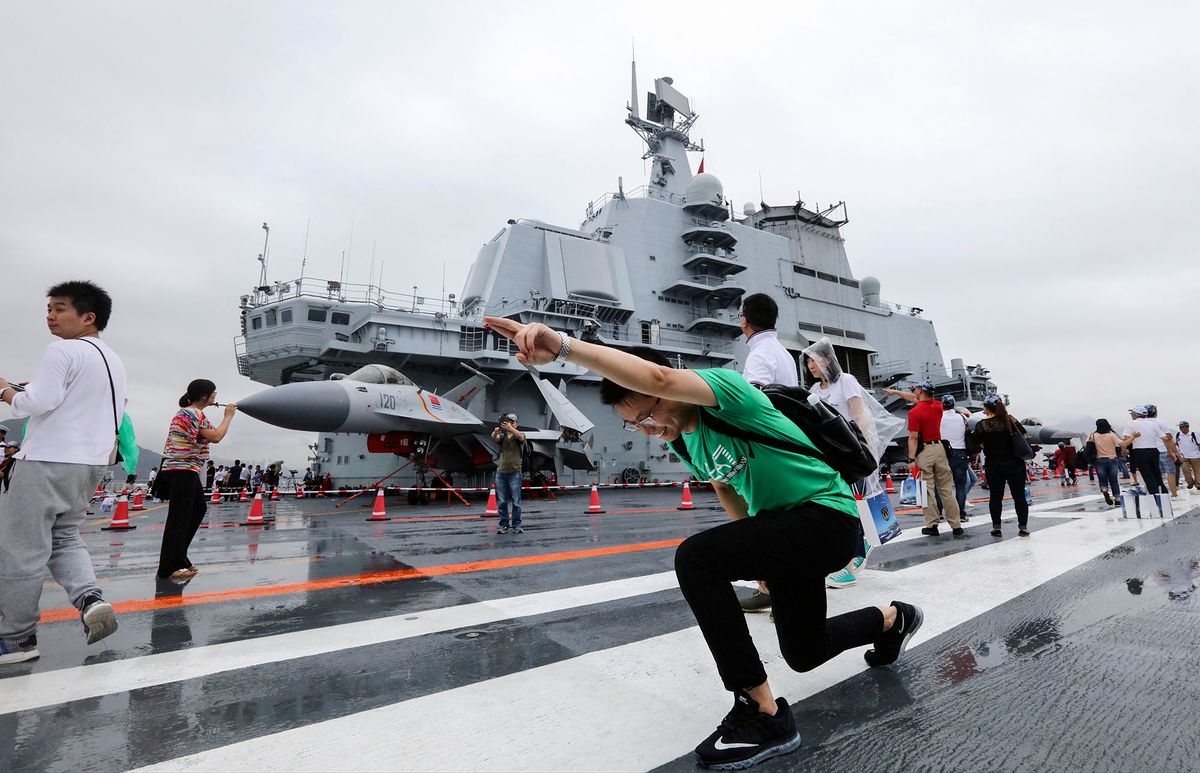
pixel 645 421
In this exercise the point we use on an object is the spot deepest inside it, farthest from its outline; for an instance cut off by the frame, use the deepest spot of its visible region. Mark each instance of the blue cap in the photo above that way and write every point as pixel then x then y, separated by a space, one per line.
pixel 1151 409
pixel 991 400
pixel 947 402
pixel 925 385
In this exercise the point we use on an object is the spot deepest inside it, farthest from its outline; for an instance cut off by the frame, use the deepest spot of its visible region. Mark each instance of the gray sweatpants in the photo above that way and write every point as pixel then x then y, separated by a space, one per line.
pixel 39 529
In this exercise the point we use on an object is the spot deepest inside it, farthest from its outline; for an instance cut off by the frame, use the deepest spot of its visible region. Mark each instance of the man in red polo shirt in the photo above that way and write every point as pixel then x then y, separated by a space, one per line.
pixel 927 453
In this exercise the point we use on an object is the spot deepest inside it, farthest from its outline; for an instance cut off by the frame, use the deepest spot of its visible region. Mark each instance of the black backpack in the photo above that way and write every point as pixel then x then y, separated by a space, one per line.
pixel 839 443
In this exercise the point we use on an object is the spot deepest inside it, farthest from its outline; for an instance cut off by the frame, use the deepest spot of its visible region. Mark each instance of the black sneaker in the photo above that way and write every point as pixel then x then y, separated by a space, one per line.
pixel 12 651
pixel 98 618
pixel 963 517
pixel 930 531
pixel 893 641
pixel 757 602
pixel 747 736
pixel 502 530
pixel 1108 497
pixel 957 532
pixel 518 530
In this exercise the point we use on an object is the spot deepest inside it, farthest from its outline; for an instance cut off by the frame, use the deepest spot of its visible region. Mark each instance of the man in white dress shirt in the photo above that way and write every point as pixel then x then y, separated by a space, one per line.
pixel 768 362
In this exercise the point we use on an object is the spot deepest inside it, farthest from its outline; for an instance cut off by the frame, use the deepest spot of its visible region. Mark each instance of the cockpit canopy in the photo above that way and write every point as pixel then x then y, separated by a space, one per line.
pixel 380 374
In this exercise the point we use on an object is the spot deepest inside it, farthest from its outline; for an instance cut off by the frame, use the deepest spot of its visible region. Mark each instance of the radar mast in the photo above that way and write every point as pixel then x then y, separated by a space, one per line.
pixel 669 119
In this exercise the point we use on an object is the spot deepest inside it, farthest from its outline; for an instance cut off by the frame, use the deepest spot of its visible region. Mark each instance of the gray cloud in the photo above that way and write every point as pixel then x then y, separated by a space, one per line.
pixel 1023 172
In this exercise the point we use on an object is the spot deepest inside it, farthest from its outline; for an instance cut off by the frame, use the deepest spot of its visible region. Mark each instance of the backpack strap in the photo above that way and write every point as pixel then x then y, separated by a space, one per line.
pixel 725 428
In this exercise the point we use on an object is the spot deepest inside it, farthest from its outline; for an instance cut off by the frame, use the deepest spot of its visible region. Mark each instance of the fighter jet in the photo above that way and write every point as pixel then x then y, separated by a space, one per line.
pixel 400 417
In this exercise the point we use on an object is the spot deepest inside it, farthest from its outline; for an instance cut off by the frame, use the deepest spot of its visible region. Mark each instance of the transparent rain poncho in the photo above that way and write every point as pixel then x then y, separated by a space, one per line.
pixel 877 425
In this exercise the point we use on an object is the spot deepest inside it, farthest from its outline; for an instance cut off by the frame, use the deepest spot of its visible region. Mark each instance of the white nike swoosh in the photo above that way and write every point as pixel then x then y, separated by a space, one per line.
pixel 721 745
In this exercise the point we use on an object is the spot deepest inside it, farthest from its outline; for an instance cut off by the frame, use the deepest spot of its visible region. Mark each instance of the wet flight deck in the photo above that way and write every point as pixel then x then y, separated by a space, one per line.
pixel 322 641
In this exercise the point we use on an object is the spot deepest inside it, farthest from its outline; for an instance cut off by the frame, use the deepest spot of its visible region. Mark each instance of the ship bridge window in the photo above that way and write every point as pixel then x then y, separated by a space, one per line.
pixel 316 315
pixel 272 317
pixel 379 374
pixel 256 323
pixel 285 317
pixel 339 318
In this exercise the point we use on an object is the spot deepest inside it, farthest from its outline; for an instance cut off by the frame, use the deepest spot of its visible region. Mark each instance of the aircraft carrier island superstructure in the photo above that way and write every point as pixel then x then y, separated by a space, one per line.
pixel 665 265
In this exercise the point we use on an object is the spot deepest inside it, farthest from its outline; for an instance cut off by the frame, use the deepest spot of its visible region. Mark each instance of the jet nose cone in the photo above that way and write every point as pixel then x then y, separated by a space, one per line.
pixel 315 406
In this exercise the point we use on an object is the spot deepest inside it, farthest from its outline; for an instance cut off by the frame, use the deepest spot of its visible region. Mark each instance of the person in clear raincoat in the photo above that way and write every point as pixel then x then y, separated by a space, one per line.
pixel 844 394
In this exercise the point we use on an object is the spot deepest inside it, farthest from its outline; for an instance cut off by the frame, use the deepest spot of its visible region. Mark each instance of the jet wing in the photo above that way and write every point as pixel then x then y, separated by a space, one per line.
pixel 563 409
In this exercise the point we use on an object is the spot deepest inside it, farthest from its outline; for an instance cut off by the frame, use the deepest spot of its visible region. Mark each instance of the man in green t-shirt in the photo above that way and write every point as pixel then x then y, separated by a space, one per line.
pixel 793 522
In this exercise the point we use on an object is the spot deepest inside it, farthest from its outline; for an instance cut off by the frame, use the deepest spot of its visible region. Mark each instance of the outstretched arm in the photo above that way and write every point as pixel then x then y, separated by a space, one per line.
pixel 539 345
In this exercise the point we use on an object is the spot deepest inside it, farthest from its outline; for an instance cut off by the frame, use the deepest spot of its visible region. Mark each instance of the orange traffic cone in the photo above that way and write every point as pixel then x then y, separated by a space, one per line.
pixel 275 494
pixel 380 512
pixel 1045 473
pixel 242 497
pixel 255 518
pixel 99 491
pixel 300 492
pixel 492 509
pixel 686 504
pixel 321 490
pixel 120 519
pixel 594 501
pixel 891 487
pixel 137 503
pixel 216 497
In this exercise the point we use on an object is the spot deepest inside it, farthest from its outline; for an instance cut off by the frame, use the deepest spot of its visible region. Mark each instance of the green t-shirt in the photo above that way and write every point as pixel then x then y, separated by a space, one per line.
pixel 767 478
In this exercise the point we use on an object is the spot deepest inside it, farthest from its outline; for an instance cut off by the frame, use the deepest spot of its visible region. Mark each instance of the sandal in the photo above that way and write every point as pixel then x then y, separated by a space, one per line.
pixel 996 533
pixel 1023 533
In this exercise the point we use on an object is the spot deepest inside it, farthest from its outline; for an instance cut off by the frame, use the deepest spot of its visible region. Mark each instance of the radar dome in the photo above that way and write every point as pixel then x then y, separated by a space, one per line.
pixel 869 286
pixel 705 188
pixel 748 208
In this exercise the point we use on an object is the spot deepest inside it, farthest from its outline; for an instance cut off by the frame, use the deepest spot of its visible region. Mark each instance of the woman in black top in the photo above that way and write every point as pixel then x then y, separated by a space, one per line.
pixel 993 435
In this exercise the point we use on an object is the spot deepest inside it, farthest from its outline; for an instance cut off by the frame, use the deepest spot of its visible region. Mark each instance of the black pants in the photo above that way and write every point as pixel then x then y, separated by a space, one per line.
pixel 1014 474
pixel 792 551
pixel 1145 461
pixel 184 514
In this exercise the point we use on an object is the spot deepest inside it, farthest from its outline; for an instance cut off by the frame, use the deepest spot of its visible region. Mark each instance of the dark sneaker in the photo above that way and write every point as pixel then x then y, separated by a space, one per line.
pixel 957 532
pixel 518 530
pixel 747 736
pixel 758 602
pixel 963 517
pixel 1108 497
pixel 98 618
pixel 13 651
pixel 930 531
pixel 502 530
pixel 893 641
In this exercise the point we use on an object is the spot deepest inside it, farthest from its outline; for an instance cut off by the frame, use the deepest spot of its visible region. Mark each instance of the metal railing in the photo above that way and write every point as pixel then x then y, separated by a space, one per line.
pixel 641 192
pixel 349 292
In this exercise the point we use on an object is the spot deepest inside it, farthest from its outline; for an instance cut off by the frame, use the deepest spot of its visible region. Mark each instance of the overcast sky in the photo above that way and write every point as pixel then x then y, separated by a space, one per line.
pixel 1025 172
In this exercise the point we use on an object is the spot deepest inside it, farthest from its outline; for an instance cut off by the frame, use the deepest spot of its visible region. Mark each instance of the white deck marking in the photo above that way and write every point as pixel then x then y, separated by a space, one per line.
pixel 49 688
pixel 640 705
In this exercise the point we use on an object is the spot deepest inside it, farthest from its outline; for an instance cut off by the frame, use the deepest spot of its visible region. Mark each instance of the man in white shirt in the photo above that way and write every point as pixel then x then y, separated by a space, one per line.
pixel 1189 454
pixel 1166 463
pixel 1147 433
pixel 72 404
pixel 768 362
pixel 954 434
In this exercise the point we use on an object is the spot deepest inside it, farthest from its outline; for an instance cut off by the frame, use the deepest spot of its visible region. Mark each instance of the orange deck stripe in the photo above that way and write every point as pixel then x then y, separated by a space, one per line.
pixel 143 605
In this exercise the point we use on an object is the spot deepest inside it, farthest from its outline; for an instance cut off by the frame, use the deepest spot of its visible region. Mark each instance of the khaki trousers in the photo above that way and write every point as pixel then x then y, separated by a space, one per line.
pixel 935 469
pixel 1191 471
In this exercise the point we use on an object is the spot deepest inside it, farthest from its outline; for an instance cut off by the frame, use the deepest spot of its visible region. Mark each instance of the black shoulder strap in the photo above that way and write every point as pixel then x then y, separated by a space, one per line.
pixel 112 389
pixel 725 428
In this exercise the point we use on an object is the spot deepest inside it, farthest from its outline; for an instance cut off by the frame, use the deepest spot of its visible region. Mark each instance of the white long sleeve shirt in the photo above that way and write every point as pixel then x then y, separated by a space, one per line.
pixel 70 406
pixel 768 361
